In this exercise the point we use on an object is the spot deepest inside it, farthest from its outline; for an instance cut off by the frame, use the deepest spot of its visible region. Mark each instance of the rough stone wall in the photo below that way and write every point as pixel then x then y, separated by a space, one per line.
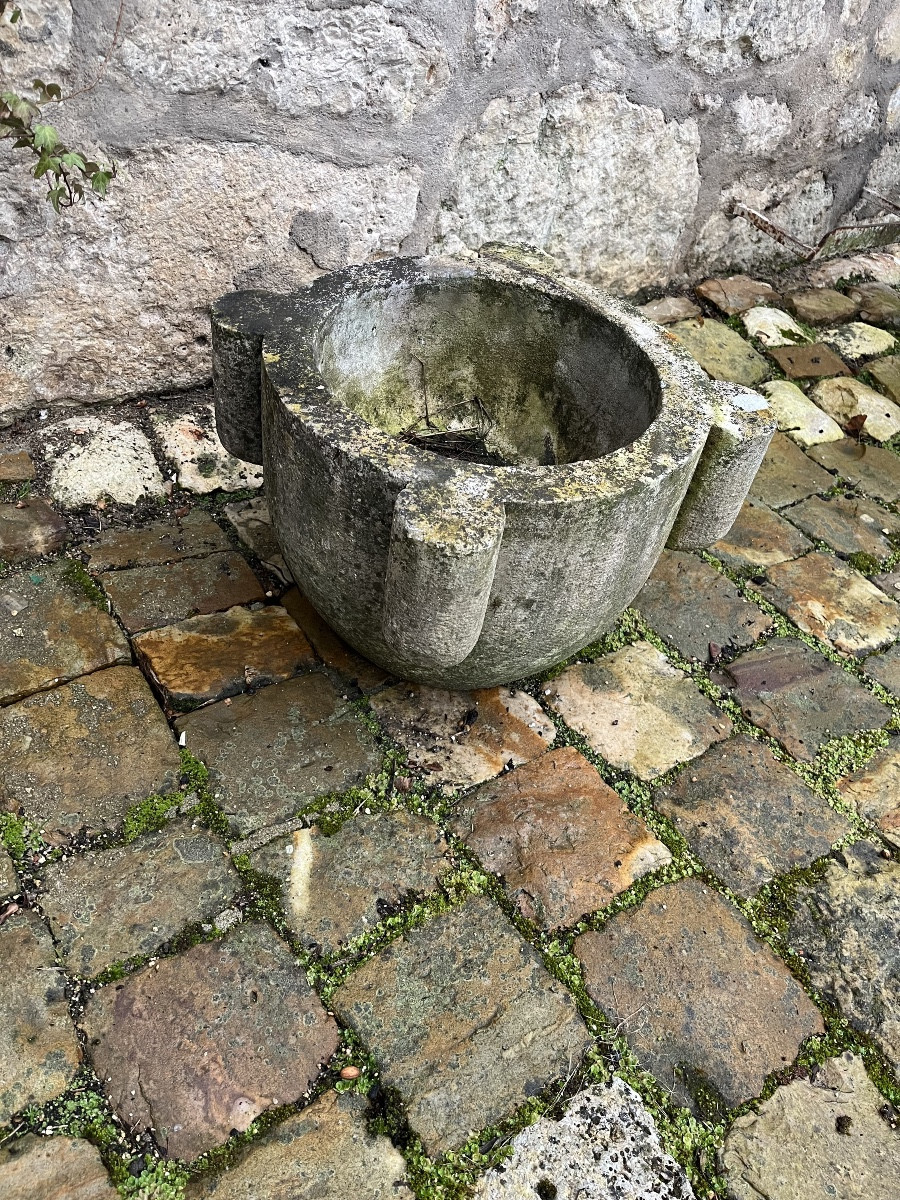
pixel 261 141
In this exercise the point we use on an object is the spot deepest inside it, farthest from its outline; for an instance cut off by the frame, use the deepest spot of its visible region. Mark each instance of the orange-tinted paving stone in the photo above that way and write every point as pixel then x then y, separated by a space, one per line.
pixel 191 536
pixel 58 1168
pixel 759 538
pixel 850 525
pixel 148 597
pixel 872 469
pixel 333 650
pixel 886 373
pixel 734 294
pixel 885 668
pixel 874 791
pixel 788 475
pixel 809 362
pixel 33 530
pixel 15 466
pixel 822 306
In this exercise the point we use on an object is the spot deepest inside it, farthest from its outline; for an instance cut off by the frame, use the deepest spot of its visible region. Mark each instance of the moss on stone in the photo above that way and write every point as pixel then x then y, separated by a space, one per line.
pixel 77 577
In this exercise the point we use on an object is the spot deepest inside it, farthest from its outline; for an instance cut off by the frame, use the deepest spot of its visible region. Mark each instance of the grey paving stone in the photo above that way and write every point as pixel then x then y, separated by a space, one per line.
pixel 32 530
pixel 885 668
pixel 337 888
pixel 848 399
pixel 253 525
pixel 38 1048
pixel 773 327
pixel 850 525
pixel 51 631
pixel 272 751
pixel 788 475
pixel 747 815
pixel 874 791
pixel 822 1136
pixel 872 469
pixel 108 905
pixel 857 340
pixel 604 1146
pixel 889 582
pixel 148 597
pixel 822 306
pixel 799 697
pixel 886 373
pixel 190 536
pixel 878 303
pixel 323 1153
pixel 638 711
pixel 797 416
pixel 693 606
pixel 199 1045
pixel 721 352
pixel 669 309
pixel 333 650
pixel 464 1021
pixel 190 442
pixel 8 879
pixel 705 1006
pixel 759 538
pixel 847 927
pixel 81 754
pixel 736 293
pixel 58 1168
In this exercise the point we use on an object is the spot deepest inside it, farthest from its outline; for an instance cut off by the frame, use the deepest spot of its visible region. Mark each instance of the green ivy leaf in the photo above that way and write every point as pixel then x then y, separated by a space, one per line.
pixel 100 181
pixel 72 159
pixel 45 137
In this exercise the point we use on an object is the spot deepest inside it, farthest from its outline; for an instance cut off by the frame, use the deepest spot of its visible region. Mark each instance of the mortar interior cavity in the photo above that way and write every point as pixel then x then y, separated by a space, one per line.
pixel 519 376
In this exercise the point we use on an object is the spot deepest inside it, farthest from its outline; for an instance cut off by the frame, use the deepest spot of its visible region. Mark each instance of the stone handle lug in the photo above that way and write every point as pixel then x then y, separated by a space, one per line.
pixel 445 539
pixel 738 439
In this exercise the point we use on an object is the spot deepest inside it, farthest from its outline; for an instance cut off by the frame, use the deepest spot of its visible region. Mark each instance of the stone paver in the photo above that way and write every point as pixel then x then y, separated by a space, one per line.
pixel 748 816
pixel 849 525
pixel 822 306
pixel 107 906
pixel 736 293
pixel 846 399
pixel 824 1136
pixel 857 340
pixel 464 1021
pixel 886 373
pixel 873 469
pixel 114 461
pixel 847 927
pixel 889 582
pixel 878 303
pixel 58 1168
pixel 809 362
pixel 29 529
pixel 692 606
pixel 797 416
pixel 190 442
pixel 825 597
pixel 337 888
pixel 253 525
pixel 272 752
pixel 706 1007
pixel 146 598
pixel 199 1045
pixel 8 880
pixel 670 309
pixel 563 841
pixel 15 466
pixel 874 791
pixel 210 657
pixel 638 711
pixel 81 754
pixel 333 650
pixel 886 668
pixel 799 697
pixel 51 631
pixel 759 538
pixel 464 738
pixel 605 1145
pixel 721 352
pixel 786 475
pixel 773 327
pixel 192 535
pixel 323 1153
pixel 38 1048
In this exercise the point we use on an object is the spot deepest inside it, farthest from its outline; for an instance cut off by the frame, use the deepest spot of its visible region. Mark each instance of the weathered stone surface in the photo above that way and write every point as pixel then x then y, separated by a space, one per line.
pixel 322 1153
pixel 274 750
pixel 886 667
pixel 464 1021
pixel 58 1168
pixel 332 649
pixel 799 697
pixel 797 416
pixel 30 531
pixel 38 1048
pixel 638 711
pixel 15 466
pixel 773 327
pixel 823 1136
pixel 81 754
pixel 253 525
pixel 8 880
pixel 721 351
pixel 878 303
pixel 847 927
pixel 874 791
pixel 545 170
pixel 605 1145
pixel 563 841
pixel 748 816
pixel 759 538
pixel 848 525
pixel 821 306
pixel 670 309
pixel 202 463
pixel 886 373
pixel 106 906
pixel 809 362
pixel 889 582
pixel 858 341
pixel 191 536
pixel 337 888
pixel 787 475
pixel 845 399
pixel 736 293
pixel 148 597
pixel 875 470
pixel 463 738
pixel 210 657
pixel 51 631
pixel 199 1045
pixel 825 597
pixel 110 460
pixel 706 1007
pixel 694 607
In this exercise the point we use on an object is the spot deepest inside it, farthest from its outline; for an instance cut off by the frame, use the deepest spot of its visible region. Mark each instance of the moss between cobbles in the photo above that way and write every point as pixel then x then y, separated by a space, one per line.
pixel 78 578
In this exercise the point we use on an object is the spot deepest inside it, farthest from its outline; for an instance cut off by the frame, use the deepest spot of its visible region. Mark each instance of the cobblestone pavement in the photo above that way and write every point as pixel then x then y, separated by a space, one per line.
pixel 273 924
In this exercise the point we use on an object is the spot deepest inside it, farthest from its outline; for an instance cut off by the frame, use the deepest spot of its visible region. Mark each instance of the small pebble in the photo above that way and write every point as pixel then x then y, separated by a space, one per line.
pixel 350 1072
